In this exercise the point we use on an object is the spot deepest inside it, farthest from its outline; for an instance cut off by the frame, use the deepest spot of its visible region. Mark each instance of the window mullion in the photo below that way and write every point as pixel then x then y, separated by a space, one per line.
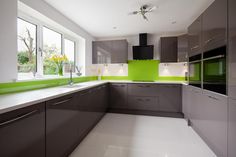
pixel 40 50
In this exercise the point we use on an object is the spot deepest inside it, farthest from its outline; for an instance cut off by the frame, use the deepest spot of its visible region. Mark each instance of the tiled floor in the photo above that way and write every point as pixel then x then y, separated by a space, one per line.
pixel 120 135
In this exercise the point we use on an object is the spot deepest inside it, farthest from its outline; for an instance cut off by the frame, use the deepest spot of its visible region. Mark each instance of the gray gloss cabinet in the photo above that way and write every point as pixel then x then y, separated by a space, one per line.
pixel 194 37
pixel 232 78
pixel 62 127
pixel 208 115
pixel 110 51
pixel 186 101
pixel 22 132
pixel 232 128
pixel 183 48
pixel 169 49
pixel 118 95
pixel 232 49
pixel 170 98
pixel 214 25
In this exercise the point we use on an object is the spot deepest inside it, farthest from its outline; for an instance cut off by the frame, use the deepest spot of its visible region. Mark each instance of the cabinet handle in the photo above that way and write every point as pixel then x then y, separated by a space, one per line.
pixel 195 47
pixel 214 98
pixel 18 118
pixel 209 40
pixel 139 99
pixel 61 102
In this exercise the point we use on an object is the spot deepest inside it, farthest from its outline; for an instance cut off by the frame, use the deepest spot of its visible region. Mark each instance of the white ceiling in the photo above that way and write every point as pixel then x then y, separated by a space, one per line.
pixel 99 17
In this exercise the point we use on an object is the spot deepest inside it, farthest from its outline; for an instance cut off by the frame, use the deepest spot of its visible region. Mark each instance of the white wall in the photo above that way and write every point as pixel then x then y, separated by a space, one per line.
pixel 8 40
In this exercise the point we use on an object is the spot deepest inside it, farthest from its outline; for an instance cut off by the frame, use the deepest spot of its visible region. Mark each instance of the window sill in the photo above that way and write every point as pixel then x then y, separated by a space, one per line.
pixel 29 77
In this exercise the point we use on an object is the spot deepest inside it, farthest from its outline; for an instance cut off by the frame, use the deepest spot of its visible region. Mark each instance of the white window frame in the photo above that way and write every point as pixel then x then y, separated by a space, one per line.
pixel 39 42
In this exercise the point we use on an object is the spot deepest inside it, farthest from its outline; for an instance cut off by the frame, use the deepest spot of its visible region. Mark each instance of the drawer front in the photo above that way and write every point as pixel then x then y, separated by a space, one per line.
pixel 143 103
pixel 142 89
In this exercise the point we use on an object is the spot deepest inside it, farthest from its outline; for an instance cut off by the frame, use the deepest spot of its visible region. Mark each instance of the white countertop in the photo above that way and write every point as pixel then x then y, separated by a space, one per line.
pixel 10 102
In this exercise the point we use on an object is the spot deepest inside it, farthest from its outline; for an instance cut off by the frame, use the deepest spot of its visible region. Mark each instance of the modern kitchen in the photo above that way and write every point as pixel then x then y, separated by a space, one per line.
pixel 116 78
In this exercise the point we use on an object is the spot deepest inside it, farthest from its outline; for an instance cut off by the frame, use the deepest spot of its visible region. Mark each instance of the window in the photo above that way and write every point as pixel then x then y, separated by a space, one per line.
pixel 69 51
pixel 52 44
pixel 26 55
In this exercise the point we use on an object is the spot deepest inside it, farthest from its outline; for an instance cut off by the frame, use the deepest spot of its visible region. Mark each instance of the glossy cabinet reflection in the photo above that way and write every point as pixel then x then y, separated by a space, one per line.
pixel 183 48
pixel 214 25
pixel 232 128
pixel 232 49
pixel 194 37
pixel 61 126
pixel 208 113
pixel 22 132
pixel 110 51
pixel 232 79
pixel 118 95
pixel 169 49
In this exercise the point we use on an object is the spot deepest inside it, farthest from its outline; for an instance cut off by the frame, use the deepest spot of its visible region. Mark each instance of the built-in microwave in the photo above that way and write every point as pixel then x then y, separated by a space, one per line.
pixel 214 70
pixel 195 69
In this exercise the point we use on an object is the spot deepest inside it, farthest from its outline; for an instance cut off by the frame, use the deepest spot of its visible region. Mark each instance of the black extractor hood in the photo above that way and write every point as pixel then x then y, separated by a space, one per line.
pixel 143 51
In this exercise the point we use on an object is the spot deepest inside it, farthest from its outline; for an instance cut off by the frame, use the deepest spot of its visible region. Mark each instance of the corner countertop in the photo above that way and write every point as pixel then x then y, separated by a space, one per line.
pixel 10 102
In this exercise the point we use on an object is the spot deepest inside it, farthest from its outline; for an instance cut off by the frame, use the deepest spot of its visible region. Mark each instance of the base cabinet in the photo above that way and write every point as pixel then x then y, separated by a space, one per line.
pixel 232 128
pixel 118 95
pixel 61 126
pixel 208 115
pixel 22 132
pixel 170 98
pixel 146 98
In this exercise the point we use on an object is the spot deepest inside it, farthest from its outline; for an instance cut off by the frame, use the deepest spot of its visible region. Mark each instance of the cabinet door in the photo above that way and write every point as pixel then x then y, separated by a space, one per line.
pixel 119 51
pixel 170 98
pixel 118 95
pixel 232 49
pixel 142 89
pixel 87 112
pixel 214 25
pixel 102 52
pixel 186 101
pixel 143 103
pixel 195 105
pixel 22 132
pixel 211 121
pixel 232 128
pixel 194 37
pixel 169 49
pixel 183 48
pixel 61 126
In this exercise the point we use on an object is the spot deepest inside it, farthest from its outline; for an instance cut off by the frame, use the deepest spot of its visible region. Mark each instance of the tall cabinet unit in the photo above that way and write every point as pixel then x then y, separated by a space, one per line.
pixel 232 79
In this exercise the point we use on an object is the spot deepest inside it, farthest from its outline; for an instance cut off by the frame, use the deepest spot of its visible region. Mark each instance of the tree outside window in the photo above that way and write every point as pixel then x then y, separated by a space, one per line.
pixel 26 55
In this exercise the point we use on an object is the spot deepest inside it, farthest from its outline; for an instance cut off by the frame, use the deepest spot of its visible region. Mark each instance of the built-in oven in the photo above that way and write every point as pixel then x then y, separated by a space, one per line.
pixel 195 69
pixel 214 70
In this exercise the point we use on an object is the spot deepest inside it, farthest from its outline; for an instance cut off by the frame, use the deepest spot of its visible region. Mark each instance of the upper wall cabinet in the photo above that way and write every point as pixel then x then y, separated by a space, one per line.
pixel 232 49
pixel 183 48
pixel 194 37
pixel 214 25
pixel 169 46
pixel 110 51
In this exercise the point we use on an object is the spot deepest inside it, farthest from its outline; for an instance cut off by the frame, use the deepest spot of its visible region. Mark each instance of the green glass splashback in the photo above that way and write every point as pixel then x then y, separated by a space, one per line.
pixel 39 84
pixel 143 70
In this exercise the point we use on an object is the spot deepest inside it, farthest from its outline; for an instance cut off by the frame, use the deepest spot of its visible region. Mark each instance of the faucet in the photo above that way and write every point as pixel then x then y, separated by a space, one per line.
pixel 70 82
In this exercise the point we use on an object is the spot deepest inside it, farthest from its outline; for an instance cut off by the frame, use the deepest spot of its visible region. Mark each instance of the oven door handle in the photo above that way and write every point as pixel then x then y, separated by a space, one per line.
pixel 214 57
pixel 195 61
